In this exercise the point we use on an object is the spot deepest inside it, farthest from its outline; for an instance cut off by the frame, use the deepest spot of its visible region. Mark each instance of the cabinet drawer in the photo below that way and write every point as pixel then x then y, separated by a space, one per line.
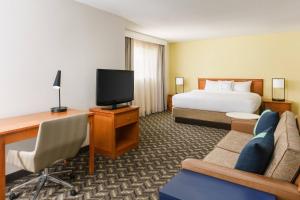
pixel 278 107
pixel 281 107
pixel 125 118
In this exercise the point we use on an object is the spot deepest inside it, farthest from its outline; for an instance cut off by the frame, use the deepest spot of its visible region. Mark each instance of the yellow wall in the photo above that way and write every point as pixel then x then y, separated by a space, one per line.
pixel 258 56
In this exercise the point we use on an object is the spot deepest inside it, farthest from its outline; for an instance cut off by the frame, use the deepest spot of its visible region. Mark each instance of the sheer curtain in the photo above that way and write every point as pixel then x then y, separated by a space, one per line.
pixel 148 62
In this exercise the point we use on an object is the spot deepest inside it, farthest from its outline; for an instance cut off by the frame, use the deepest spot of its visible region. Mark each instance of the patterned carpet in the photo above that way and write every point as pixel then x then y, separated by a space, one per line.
pixel 139 173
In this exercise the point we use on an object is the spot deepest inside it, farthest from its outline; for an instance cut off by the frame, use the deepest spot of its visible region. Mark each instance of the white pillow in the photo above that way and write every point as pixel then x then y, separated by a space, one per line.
pixel 212 86
pixel 225 85
pixel 242 86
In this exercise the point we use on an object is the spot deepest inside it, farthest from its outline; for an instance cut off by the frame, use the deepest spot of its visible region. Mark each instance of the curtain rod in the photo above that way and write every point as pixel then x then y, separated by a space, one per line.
pixel 146 38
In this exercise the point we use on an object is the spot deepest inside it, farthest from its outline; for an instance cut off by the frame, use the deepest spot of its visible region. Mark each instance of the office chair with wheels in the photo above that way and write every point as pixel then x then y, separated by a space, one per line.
pixel 57 140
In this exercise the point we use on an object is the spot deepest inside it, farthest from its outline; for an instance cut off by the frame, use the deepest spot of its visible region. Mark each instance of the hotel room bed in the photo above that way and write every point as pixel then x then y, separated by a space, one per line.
pixel 209 107
pixel 228 101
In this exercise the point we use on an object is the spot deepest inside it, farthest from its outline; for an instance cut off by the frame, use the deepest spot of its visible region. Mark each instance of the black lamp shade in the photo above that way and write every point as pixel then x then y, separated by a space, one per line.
pixel 56 83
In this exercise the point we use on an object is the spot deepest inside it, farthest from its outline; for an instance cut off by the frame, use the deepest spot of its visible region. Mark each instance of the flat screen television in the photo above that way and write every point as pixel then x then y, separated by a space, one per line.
pixel 114 87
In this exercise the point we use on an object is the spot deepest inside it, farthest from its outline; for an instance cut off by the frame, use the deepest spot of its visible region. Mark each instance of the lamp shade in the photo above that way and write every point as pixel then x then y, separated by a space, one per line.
pixel 56 84
pixel 179 81
pixel 278 83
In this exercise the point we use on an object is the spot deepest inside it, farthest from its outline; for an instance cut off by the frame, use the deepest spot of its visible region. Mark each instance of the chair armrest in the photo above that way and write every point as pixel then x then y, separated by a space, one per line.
pixel 281 189
pixel 245 126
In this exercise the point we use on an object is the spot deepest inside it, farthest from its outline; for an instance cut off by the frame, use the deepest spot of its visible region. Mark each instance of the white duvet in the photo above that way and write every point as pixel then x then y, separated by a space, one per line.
pixel 229 101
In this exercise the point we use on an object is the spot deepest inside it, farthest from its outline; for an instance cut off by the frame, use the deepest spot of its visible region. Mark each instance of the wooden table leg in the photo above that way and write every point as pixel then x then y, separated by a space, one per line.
pixel 2 169
pixel 91 146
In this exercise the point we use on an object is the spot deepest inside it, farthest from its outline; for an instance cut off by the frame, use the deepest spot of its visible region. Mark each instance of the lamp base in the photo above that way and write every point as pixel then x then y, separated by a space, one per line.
pixel 273 99
pixel 59 109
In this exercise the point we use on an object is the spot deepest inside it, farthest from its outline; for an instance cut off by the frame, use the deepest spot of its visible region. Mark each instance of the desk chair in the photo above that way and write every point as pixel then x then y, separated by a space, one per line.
pixel 57 140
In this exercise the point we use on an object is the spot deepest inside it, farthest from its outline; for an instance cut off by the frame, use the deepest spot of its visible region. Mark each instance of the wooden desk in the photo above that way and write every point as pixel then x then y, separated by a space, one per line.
pixel 24 127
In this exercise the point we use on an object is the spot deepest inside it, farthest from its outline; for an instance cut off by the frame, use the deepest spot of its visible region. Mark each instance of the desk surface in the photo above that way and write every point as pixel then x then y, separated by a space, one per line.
pixel 19 123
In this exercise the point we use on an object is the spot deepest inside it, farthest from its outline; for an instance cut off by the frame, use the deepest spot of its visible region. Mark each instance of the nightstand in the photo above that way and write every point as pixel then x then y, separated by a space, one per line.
pixel 169 102
pixel 277 106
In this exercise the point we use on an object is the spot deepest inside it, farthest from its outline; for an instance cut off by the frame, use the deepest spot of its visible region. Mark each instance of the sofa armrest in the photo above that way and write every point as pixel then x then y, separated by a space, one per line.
pixel 281 189
pixel 245 126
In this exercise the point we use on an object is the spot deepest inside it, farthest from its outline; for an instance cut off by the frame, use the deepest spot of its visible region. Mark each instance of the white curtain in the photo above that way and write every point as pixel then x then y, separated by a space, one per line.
pixel 148 62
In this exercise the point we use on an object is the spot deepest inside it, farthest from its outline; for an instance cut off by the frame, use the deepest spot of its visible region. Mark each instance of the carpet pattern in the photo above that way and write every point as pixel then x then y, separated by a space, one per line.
pixel 139 173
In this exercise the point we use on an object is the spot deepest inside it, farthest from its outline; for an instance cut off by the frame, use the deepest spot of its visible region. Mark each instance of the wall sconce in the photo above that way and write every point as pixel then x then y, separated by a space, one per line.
pixel 179 81
pixel 278 89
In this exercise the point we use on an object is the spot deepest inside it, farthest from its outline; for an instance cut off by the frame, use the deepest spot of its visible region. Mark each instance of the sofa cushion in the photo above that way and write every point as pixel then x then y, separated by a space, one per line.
pixel 256 155
pixel 190 185
pixel 268 119
pixel 222 157
pixel 235 141
pixel 286 157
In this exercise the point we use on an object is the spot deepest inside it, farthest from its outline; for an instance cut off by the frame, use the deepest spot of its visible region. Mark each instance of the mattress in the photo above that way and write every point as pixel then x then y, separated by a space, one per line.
pixel 222 101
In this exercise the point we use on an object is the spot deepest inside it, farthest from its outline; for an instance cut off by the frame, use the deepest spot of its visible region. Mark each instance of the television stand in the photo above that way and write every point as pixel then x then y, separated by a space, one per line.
pixel 114 106
pixel 116 131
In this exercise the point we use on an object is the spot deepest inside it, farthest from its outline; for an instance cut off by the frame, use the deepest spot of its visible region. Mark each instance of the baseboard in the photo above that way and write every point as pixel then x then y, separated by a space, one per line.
pixel 21 173
pixel 218 125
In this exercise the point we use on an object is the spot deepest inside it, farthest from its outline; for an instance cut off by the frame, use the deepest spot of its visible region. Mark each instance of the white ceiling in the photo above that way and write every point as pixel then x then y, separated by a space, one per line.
pixel 177 20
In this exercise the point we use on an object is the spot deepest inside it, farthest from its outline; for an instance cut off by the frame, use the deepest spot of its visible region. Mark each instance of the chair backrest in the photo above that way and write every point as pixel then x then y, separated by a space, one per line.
pixel 59 139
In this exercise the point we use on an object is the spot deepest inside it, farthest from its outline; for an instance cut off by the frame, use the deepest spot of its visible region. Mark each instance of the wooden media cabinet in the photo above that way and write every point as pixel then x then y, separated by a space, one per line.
pixel 116 131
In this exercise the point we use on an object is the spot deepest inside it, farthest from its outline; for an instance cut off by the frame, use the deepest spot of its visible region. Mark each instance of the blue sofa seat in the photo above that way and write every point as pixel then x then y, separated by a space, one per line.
pixel 188 185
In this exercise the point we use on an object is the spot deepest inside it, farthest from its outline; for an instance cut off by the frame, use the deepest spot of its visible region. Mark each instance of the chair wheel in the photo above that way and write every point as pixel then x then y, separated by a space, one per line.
pixel 72 176
pixel 73 193
pixel 13 196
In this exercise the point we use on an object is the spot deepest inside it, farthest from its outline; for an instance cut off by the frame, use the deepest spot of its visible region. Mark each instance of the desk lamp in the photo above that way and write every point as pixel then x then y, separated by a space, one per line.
pixel 56 85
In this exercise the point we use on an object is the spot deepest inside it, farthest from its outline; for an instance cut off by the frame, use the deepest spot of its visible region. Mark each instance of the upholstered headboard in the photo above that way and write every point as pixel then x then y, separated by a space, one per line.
pixel 257 85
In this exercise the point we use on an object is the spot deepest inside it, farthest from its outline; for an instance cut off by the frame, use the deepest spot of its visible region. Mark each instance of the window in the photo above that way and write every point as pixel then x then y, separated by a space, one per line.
pixel 147 61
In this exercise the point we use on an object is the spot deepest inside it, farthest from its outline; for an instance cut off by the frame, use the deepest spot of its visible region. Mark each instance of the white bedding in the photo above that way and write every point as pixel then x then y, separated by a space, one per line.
pixel 221 101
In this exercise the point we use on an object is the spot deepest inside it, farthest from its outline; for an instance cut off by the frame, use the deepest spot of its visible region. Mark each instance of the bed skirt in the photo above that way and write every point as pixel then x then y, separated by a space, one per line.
pixel 202 117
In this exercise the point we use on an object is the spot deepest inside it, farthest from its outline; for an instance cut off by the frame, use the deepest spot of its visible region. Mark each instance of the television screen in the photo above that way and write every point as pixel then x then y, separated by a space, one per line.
pixel 114 87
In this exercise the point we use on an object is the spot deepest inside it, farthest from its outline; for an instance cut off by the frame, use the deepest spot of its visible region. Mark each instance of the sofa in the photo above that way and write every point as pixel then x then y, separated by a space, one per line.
pixel 282 175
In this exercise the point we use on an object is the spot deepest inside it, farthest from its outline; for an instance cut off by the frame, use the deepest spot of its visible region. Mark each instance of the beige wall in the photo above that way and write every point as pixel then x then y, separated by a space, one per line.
pixel 39 37
pixel 258 56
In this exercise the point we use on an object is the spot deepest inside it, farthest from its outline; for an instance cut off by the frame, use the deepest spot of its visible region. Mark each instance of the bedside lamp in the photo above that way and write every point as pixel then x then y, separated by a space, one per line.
pixel 56 85
pixel 278 89
pixel 179 81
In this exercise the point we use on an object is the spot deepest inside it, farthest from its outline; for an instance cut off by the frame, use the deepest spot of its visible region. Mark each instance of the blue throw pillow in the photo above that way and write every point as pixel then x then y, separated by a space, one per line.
pixel 256 155
pixel 267 119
